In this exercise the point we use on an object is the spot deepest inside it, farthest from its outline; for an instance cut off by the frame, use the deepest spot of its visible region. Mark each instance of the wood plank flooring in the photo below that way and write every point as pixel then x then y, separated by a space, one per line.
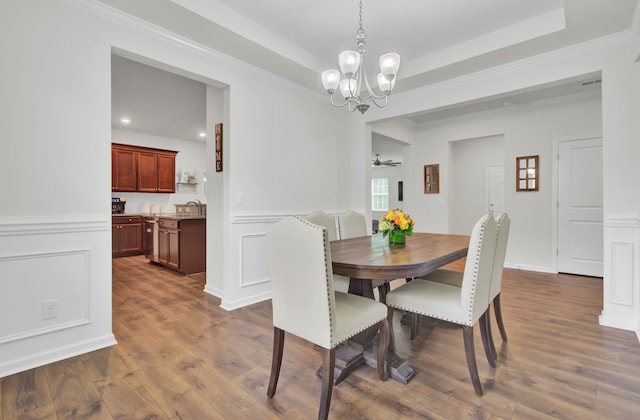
pixel 179 356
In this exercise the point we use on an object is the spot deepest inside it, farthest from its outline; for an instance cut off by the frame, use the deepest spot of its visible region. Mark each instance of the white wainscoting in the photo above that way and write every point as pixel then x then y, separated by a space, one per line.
pixel 621 300
pixel 66 260
pixel 247 276
pixel 59 276
pixel 254 266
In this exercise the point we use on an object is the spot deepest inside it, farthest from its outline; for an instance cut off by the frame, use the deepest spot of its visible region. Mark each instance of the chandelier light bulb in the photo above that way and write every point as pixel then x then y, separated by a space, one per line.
pixel 348 88
pixel 349 63
pixel 384 84
pixel 331 80
pixel 389 65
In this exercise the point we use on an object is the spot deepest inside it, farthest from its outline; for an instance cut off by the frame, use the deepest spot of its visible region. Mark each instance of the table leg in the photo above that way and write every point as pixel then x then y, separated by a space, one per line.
pixel 363 348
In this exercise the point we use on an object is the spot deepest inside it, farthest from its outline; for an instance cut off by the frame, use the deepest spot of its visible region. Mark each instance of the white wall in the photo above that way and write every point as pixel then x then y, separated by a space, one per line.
pixel 524 131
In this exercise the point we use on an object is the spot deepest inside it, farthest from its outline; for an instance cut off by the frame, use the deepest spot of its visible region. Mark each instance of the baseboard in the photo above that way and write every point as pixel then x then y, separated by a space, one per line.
pixel 230 305
pixel 10 367
pixel 621 324
pixel 537 268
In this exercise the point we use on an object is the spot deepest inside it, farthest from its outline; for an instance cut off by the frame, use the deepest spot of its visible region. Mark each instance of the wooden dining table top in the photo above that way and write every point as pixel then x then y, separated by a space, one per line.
pixel 372 257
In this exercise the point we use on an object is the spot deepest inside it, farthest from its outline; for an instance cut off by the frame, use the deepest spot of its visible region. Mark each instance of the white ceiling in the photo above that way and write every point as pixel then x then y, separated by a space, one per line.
pixel 437 39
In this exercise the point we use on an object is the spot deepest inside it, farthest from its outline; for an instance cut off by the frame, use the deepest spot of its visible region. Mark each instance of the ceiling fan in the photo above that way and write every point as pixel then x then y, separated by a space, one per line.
pixel 378 162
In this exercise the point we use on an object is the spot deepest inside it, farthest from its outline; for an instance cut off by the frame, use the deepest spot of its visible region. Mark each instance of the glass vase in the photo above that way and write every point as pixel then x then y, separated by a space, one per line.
pixel 397 237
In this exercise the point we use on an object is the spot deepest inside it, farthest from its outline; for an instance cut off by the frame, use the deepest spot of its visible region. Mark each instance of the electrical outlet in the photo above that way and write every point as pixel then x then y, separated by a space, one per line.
pixel 50 309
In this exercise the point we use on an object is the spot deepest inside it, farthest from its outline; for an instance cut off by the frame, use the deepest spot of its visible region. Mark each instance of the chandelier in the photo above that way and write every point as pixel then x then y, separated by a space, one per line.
pixel 355 87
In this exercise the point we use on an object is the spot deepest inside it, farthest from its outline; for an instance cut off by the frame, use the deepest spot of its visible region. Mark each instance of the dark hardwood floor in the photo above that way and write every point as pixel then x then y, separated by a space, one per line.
pixel 180 356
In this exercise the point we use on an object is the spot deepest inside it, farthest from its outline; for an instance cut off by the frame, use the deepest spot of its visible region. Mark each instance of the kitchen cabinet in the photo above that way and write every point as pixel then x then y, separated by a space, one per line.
pixel 169 243
pixel 142 169
pixel 126 236
pixel 182 244
pixel 166 172
pixel 123 170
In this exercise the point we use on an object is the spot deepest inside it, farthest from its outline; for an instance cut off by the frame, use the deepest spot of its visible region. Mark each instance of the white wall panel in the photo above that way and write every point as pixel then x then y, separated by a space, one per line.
pixel 254 264
pixel 66 259
pixel 621 297
pixel 30 280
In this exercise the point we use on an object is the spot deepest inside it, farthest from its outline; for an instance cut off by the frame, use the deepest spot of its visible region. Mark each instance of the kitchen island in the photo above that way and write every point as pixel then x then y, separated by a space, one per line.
pixel 177 242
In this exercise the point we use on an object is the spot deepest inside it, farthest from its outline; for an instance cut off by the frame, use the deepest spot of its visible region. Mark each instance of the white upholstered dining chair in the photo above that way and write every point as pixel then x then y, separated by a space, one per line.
pixel 305 304
pixel 352 224
pixel 465 305
pixel 320 218
pixel 455 278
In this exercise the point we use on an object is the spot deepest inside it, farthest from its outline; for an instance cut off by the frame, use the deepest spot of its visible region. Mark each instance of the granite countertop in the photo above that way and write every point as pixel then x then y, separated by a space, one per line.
pixel 172 216
pixel 179 217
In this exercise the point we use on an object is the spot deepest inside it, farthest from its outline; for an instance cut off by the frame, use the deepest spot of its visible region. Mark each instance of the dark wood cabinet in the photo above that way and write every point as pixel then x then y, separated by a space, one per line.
pixel 142 169
pixel 147 172
pixel 182 244
pixel 169 243
pixel 166 172
pixel 126 236
pixel 123 170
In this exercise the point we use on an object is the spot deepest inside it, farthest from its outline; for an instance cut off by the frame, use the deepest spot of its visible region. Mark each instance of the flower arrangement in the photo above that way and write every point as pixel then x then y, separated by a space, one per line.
pixel 396 223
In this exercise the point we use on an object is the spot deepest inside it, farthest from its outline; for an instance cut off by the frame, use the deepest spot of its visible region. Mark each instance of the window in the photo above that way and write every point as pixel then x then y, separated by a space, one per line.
pixel 380 194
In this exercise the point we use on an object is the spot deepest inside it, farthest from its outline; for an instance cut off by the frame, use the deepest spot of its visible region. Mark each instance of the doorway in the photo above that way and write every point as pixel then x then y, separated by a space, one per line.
pixel 477 180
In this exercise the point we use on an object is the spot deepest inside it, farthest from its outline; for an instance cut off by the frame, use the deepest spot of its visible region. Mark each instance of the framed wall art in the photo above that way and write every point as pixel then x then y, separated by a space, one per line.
pixel 527 173
pixel 219 147
pixel 432 179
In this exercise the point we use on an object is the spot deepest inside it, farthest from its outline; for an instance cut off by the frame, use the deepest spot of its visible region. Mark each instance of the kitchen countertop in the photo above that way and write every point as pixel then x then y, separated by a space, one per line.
pixel 171 216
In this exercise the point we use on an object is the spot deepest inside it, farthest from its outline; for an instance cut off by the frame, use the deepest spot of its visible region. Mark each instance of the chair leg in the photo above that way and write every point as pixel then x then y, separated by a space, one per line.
pixel 471 359
pixel 392 338
pixel 383 346
pixel 497 308
pixel 487 338
pixel 328 366
pixel 276 361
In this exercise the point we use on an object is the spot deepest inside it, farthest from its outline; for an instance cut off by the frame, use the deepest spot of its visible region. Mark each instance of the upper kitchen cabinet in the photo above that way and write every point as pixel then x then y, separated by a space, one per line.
pixel 123 170
pixel 153 169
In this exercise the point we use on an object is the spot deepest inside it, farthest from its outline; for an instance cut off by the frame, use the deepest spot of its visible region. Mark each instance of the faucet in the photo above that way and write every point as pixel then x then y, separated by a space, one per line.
pixel 196 203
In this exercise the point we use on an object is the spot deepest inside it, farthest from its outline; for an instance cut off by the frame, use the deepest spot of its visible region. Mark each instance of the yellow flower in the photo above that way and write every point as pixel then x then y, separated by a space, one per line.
pixel 396 219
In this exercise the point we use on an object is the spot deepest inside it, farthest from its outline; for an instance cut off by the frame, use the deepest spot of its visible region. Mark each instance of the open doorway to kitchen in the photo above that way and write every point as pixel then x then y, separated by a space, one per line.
pixel 158 106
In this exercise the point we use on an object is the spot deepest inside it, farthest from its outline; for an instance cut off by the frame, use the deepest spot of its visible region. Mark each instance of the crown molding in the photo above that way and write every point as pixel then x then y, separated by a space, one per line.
pixel 126 20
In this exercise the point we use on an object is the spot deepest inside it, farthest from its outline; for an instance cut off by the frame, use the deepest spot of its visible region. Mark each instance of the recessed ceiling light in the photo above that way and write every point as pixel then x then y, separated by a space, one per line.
pixel 202 134
pixel 125 120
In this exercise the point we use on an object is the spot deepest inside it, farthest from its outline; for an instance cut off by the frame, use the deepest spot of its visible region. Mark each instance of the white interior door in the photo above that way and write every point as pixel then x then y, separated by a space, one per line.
pixel 580 230
pixel 495 188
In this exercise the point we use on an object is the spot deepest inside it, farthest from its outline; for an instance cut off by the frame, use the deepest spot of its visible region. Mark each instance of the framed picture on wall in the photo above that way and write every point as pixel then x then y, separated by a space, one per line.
pixel 219 147
pixel 432 179
pixel 527 173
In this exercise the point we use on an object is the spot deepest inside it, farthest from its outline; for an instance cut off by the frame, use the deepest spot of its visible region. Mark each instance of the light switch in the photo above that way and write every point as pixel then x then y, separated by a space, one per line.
pixel 239 197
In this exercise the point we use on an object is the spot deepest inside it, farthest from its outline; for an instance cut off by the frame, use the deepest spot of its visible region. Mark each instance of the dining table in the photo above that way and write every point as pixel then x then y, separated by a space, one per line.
pixel 371 262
